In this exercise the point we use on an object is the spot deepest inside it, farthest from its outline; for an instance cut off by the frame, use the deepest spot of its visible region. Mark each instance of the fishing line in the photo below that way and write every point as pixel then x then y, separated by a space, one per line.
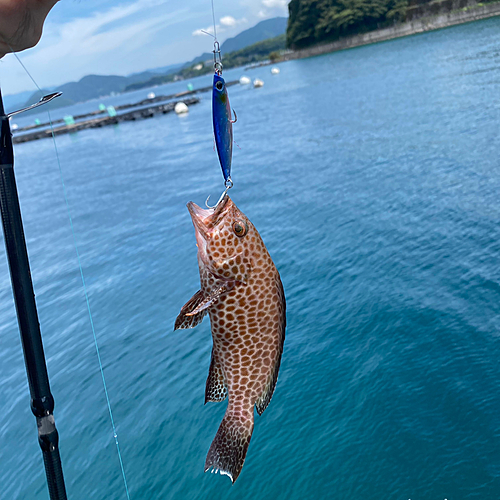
pixel 115 435
pixel 213 17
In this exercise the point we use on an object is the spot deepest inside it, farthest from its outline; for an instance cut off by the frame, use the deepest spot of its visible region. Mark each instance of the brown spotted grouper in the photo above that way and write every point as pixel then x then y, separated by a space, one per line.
pixel 242 292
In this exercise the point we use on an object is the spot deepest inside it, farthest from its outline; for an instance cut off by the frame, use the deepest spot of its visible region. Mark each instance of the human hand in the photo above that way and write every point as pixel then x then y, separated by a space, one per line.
pixel 21 23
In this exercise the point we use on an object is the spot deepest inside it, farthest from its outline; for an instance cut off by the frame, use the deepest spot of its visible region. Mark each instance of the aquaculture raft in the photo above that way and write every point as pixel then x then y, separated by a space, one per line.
pixel 137 114
pixel 146 108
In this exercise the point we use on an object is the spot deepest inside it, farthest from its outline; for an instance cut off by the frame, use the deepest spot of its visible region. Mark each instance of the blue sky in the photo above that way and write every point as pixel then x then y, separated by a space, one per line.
pixel 107 37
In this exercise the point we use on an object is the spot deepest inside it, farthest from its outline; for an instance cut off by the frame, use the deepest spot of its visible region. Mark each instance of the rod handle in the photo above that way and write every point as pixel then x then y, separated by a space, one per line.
pixel 48 438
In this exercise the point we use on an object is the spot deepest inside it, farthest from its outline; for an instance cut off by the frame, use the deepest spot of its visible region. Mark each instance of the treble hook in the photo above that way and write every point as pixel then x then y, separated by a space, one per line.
pixel 229 185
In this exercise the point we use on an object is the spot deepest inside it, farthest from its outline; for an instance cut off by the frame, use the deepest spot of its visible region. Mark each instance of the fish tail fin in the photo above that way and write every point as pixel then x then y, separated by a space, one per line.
pixel 229 448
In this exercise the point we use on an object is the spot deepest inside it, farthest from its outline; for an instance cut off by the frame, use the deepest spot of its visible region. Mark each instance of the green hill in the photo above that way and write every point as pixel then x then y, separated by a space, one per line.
pixel 318 21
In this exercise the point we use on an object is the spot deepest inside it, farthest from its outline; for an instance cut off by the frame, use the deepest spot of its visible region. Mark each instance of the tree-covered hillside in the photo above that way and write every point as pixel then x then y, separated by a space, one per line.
pixel 316 21
pixel 259 51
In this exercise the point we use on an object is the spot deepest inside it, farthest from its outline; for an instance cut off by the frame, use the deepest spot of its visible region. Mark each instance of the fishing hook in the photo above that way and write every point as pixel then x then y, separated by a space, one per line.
pixel 229 185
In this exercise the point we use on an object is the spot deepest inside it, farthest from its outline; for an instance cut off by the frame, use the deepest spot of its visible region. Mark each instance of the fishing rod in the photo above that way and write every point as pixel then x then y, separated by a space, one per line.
pixel 52 460
pixel 42 401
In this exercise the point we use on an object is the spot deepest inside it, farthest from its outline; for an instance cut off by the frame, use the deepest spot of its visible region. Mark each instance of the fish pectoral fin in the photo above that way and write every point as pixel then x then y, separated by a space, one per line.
pixel 224 287
pixel 196 307
pixel 188 318
pixel 216 387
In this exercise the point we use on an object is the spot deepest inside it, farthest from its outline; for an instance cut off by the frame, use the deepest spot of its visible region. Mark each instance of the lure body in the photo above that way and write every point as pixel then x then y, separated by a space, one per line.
pixel 223 125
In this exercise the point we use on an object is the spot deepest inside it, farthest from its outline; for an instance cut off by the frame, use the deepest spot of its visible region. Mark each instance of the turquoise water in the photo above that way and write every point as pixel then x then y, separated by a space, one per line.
pixel 373 177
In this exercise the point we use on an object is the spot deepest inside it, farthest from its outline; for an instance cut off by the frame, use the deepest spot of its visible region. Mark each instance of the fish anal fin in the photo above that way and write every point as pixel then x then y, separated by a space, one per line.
pixel 229 448
pixel 186 318
pixel 216 388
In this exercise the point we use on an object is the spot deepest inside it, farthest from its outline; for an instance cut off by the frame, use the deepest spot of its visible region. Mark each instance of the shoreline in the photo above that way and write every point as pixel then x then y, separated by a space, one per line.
pixel 429 23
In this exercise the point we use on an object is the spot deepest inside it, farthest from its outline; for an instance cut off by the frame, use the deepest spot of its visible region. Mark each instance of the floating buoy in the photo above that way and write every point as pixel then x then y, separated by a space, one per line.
pixel 151 95
pixel 181 108
pixel 14 126
pixel 244 80
pixel 275 71
pixel 69 120
pixel 258 83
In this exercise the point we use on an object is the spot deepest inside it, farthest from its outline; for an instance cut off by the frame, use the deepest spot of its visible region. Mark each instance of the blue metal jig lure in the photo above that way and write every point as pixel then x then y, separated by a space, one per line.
pixel 223 123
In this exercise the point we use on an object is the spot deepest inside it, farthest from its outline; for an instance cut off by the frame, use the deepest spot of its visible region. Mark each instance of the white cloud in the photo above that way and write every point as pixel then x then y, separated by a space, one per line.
pixel 226 24
pixel 228 21
pixel 106 42
pixel 270 8
pixel 272 4
pixel 204 31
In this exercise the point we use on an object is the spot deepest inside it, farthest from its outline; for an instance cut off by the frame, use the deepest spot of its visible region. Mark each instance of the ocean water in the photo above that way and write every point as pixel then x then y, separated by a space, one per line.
pixel 374 179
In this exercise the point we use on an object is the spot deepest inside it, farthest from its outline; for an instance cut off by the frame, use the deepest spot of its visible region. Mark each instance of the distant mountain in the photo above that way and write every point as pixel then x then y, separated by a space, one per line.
pixel 94 86
pixel 16 101
pixel 206 56
pixel 269 28
pixel 89 87
pixel 163 69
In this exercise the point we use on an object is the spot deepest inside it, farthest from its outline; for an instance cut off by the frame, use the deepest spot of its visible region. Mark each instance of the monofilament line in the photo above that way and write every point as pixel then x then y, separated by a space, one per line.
pixel 213 17
pixel 115 435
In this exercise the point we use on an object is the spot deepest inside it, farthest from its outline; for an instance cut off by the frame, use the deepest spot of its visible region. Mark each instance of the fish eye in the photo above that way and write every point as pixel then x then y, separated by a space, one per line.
pixel 219 85
pixel 240 228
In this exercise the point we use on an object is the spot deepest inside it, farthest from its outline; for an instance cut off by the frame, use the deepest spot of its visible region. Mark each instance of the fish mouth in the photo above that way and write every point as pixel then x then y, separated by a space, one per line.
pixel 205 221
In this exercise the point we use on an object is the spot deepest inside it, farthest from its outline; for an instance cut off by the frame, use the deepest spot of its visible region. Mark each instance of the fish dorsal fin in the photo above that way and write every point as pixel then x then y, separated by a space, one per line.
pixel 186 318
pixel 216 387
pixel 265 398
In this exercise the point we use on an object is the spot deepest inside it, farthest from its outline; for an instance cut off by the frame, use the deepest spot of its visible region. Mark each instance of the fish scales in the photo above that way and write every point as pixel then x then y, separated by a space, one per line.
pixel 242 293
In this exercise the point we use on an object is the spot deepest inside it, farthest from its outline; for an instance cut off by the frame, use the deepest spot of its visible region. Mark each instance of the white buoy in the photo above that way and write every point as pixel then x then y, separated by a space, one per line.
pixel 244 80
pixel 258 83
pixel 275 71
pixel 151 95
pixel 14 126
pixel 181 108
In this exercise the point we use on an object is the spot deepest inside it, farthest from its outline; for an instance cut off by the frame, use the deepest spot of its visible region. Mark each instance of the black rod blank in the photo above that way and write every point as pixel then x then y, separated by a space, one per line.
pixel 42 402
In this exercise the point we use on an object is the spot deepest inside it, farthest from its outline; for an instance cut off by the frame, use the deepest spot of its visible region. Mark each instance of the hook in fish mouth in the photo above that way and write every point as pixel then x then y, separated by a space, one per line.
pixel 205 222
pixel 229 184
pixel 207 216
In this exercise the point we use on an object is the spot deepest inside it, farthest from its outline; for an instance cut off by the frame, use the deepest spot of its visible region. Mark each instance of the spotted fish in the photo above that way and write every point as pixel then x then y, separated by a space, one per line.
pixel 242 292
